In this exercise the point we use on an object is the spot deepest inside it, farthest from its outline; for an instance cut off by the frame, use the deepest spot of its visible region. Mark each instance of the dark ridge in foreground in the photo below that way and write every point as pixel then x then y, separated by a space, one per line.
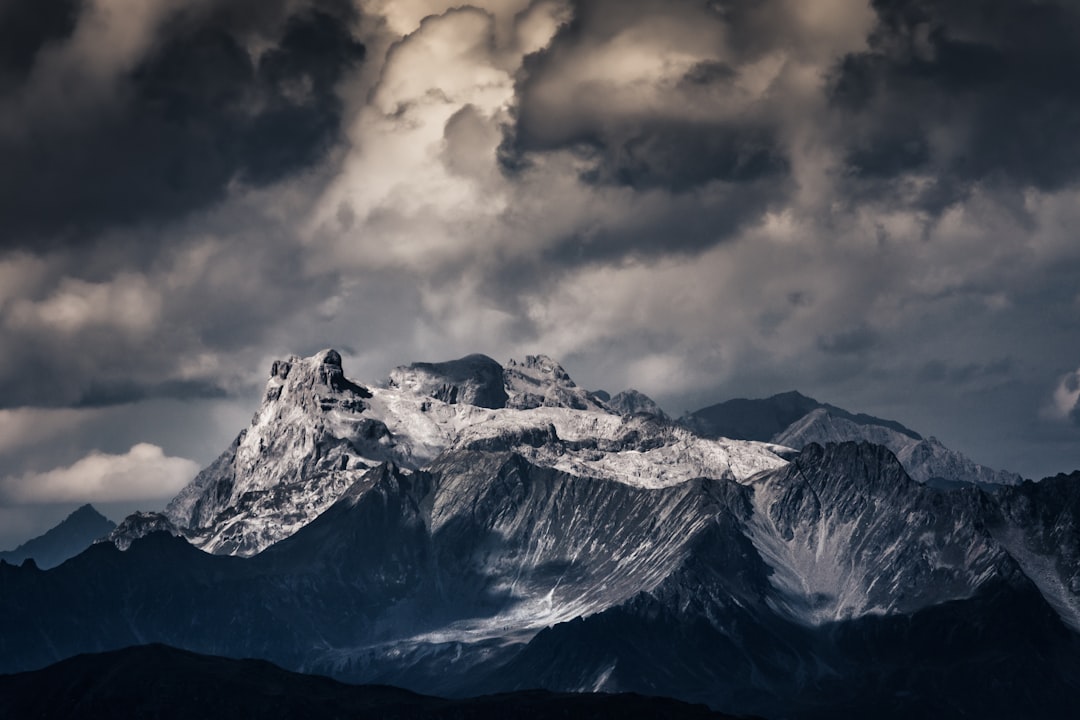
pixel 161 682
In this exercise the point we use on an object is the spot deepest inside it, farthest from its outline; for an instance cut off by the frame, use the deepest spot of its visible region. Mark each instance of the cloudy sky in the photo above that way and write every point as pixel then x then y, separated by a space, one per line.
pixel 875 203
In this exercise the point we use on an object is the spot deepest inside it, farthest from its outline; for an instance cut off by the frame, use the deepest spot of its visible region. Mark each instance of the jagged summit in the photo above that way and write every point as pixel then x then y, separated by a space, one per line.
pixel 539 381
pixel 630 402
pixel 927 460
pixel 304 447
pixel 301 380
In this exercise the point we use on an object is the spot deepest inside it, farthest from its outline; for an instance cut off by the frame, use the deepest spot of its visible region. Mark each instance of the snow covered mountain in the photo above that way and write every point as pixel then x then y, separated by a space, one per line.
pixel 794 420
pixel 468 528
pixel 317 432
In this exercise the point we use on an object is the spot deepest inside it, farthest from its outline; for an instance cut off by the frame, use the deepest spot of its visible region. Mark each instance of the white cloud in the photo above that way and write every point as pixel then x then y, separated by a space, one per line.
pixel 127 302
pixel 1065 401
pixel 143 473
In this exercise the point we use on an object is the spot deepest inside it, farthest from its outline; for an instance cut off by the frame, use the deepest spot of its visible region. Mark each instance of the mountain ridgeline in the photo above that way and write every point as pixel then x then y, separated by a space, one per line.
pixel 468 528
pixel 794 420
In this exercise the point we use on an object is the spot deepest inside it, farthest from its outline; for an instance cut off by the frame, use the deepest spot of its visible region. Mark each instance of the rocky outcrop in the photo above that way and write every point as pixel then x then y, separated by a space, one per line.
pixel 471 380
pixel 630 402
pixel 539 381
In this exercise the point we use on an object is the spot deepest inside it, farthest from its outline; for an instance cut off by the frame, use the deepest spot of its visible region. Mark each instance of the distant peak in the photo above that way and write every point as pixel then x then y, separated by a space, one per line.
pixel 87 511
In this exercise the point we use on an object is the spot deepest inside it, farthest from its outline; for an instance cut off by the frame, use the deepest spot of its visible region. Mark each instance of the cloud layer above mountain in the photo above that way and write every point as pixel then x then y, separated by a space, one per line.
pixel 871 202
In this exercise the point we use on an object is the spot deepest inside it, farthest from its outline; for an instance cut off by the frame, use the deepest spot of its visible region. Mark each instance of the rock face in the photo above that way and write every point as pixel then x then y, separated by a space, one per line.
pixel 472 380
pixel 309 441
pixel 1039 523
pixel 629 402
pixel 139 525
pixel 76 533
pixel 849 534
pixel 794 421
pixel 539 381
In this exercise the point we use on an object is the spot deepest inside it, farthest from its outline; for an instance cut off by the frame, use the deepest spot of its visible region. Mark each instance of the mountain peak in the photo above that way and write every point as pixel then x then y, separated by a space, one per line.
pixel 473 380
pixel 629 402
pixel 540 381
pixel 67 539
pixel 792 395
pixel 86 511
pixel 746 419
pixel 296 377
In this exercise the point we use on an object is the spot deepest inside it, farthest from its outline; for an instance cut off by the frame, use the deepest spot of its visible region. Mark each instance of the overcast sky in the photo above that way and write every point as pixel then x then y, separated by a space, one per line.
pixel 875 203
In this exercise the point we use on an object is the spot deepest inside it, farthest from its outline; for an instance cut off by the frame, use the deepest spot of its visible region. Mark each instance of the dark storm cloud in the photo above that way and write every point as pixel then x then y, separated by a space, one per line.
pixel 675 141
pixel 121 392
pixel 196 112
pixel 966 91
pixel 851 342
pixel 25 27
pixel 939 371
pixel 222 282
